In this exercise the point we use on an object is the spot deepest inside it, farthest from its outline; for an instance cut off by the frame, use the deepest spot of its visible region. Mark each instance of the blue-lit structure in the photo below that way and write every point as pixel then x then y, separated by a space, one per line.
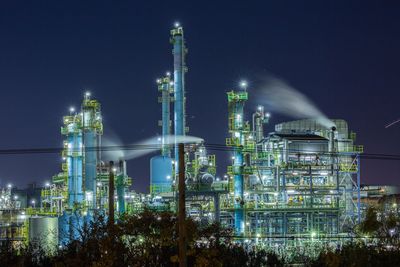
pixel 92 131
pixel 74 158
pixel 160 174
pixel 161 166
pixel 237 129
pixel 179 52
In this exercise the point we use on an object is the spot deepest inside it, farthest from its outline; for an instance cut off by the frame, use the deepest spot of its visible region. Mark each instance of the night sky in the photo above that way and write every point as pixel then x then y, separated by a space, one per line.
pixel 344 55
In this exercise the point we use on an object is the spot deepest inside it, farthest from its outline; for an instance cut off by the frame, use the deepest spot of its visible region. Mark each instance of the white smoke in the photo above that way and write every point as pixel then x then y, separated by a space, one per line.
pixel 280 97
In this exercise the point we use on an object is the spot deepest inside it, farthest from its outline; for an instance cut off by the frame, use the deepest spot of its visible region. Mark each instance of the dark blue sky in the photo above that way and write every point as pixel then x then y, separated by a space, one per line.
pixel 343 54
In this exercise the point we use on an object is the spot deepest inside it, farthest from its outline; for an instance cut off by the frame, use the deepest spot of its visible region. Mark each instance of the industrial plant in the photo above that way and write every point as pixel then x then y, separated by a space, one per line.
pixel 297 184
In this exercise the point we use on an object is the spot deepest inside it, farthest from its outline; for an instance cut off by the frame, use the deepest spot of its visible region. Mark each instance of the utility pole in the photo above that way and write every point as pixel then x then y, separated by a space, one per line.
pixel 182 207
pixel 111 195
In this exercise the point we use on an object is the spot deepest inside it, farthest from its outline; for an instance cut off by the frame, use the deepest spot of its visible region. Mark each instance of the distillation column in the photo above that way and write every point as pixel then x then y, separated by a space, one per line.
pixel 237 128
pixel 161 165
pixel 179 52
pixel 92 130
pixel 74 159
pixel 165 86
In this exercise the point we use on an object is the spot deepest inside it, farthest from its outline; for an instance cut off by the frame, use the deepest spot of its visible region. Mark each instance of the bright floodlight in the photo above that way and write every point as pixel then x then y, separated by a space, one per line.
pixel 87 93
pixel 47 184
pixel 71 109
pixel 177 24
pixel 168 73
pixel 243 84
pixel 267 115
pixel 9 185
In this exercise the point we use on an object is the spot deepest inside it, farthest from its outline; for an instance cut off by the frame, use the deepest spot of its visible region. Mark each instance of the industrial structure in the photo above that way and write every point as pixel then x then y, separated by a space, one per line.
pixel 300 182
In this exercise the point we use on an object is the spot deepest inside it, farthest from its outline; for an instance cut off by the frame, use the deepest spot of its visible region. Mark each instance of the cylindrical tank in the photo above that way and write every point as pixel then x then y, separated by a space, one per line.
pixel 207 179
pixel 160 174
pixel 43 231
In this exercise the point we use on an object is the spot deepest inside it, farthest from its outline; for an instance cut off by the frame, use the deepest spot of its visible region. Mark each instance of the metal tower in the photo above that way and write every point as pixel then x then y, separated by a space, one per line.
pixel 237 129
pixel 92 131
pixel 179 51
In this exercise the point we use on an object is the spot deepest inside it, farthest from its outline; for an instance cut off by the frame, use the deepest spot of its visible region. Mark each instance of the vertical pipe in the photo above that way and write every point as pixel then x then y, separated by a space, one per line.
pixel 182 207
pixel 111 194
pixel 179 52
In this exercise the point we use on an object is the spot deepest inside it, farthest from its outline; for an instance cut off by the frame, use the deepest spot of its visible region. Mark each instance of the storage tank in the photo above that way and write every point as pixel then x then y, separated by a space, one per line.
pixel 43 231
pixel 160 174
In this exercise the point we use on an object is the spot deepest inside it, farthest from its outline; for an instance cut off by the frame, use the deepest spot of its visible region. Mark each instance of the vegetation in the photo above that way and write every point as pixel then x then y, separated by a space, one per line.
pixel 150 239
pixel 145 239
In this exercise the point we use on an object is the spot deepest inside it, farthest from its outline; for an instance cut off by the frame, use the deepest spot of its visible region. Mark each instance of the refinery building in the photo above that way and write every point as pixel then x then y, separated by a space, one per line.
pixel 297 184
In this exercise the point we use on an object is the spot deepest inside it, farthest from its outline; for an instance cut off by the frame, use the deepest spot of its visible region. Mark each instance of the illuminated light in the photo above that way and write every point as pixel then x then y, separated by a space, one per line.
pixel 250 137
pixel 71 109
pixel 114 169
pixel 237 134
pixel 313 234
pixel 201 150
pixel 323 173
pixel 159 139
pixel 243 84
pixel 15 197
pixel 9 185
pixel 98 184
pixel 295 173
pixel 276 194
pixel 168 177
pixel 247 223
pixel 87 93
pixel 225 176
pixel 177 24
pixel 64 158
pixel 33 201
pixel 171 83
pixel 233 158
pixel 47 184
pixel 258 235
pixel 291 191
pixel 267 115
pixel 259 108
pixel 168 73
pixel 158 80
